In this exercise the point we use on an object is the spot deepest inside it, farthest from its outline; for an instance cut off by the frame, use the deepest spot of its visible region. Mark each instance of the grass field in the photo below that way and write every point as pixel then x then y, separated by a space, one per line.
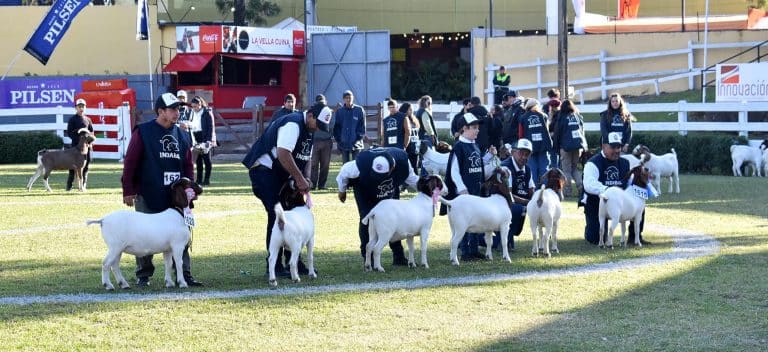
pixel 715 302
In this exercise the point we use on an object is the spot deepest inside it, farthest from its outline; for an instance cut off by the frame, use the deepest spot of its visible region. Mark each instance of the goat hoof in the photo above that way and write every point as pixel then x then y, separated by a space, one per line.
pixel 296 280
pixel 273 282
pixel 381 270
pixel 313 275
pixel 368 268
pixel 426 266
pixel 556 251
pixel 108 287
pixel 455 262
pixel 534 254
pixel 412 265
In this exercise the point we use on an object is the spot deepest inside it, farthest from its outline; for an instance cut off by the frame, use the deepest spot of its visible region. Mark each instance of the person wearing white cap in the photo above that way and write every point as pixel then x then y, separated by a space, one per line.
pixel 466 171
pixel 157 156
pixel 349 128
pixel 281 154
pixel 375 175
pixel 533 127
pixel 605 169
pixel 75 123
pixel 522 187
pixel 184 112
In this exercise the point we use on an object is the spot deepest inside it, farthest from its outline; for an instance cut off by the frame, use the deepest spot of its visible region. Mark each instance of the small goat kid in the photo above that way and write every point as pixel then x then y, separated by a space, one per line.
pixel 63 159
pixel 294 229
pixel 141 234
pixel 660 166
pixel 544 212
pixel 468 213
pixel 622 205
pixel 435 160
pixel 394 220
pixel 744 154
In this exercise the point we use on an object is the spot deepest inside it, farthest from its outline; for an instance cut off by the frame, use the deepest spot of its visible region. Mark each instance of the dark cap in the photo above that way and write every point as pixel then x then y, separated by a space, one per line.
pixel 347 93
pixel 468 119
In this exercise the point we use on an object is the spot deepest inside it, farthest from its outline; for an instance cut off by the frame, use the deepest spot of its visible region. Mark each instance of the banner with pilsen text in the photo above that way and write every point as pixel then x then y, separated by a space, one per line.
pixel 53 27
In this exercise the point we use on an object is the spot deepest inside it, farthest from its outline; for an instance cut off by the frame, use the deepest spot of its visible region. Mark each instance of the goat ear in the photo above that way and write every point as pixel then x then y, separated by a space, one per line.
pixel 178 196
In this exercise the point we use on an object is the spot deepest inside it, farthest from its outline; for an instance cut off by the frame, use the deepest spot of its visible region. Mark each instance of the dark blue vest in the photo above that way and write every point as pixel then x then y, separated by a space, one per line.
pixel 393 131
pixel 162 164
pixel 571 133
pixel 422 131
pixel 372 186
pixel 535 130
pixel 520 184
pixel 611 173
pixel 302 152
pixel 470 168
pixel 617 124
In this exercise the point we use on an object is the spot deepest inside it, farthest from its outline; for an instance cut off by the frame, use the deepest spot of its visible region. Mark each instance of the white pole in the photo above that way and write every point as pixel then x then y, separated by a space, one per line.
pixel 149 63
pixel 706 39
pixel 11 65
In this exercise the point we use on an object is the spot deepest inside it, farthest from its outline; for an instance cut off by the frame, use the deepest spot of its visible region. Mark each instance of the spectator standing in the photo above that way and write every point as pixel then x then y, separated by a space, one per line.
pixel 427 130
pixel 500 85
pixel 321 153
pixel 456 121
pixel 156 157
pixel 396 131
pixel 570 141
pixel 533 127
pixel 616 118
pixel 203 128
pixel 510 122
pixel 376 174
pixel 551 109
pixel 282 153
pixel 289 107
pixel 75 123
pixel 349 129
pixel 412 143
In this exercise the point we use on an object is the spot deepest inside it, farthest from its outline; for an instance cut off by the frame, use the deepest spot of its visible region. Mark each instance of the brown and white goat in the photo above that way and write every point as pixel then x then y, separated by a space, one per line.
pixel 544 212
pixel 64 159
pixel 142 234
pixel 469 213
pixel 294 229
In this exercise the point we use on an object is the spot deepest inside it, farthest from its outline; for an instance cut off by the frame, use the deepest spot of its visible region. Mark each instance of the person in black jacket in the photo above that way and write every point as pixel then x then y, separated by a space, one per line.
pixel 202 128
pixel 75 123
pixel 616 118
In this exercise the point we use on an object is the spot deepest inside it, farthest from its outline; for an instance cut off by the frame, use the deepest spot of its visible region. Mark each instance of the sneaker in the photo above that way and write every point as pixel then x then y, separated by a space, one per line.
pixel 192 282
pixel 142 282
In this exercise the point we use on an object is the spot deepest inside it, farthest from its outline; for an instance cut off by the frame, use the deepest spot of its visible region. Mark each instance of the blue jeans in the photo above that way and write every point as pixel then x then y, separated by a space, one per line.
pixel 539 164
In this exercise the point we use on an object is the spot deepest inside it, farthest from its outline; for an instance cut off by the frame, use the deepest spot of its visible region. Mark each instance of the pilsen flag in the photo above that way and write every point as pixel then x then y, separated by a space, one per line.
pixel 142 21
pixel 52 29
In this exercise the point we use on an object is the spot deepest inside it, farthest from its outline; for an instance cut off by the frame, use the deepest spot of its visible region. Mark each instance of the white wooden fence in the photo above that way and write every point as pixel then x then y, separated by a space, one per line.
pixel 602 83
pixel 443 113
pixel 123 126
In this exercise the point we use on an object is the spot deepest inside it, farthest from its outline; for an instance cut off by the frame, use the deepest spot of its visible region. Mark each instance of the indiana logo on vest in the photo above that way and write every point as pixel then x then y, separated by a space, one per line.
pixel 474 162
pixel 306 151
pixel 612 176
pixel 170 147
pixel 386 188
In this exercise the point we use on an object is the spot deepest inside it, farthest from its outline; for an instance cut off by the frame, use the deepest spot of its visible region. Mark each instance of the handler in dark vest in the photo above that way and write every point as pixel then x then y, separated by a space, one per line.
pixel 606 169
pixel 282 152
pixel 375 175
pixel 521 186
pixel 394 127
pixel 157 155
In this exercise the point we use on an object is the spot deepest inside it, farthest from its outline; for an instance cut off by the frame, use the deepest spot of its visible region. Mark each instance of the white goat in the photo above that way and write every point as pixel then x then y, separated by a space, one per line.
pixel 293 229
pixel 435 161
pixel 64 159
pixel 660 166
pixel 622 205
pixel 741 154
pixel 544 212
pixel 143 234
pixel 468 213
pixel 395 219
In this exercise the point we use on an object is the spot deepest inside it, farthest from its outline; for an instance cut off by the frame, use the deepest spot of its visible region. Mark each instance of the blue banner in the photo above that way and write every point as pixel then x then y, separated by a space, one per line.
pixel 52 29
pixel 142 20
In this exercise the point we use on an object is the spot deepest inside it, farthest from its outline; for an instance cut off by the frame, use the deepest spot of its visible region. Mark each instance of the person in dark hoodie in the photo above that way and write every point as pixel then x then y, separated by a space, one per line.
pixel 489 128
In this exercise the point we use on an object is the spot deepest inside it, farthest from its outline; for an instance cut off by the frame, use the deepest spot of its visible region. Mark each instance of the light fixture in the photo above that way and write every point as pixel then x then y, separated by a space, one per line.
pixel 191 8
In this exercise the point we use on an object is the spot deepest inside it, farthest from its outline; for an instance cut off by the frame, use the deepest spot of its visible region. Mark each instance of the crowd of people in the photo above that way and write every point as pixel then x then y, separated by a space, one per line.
pixel 522 136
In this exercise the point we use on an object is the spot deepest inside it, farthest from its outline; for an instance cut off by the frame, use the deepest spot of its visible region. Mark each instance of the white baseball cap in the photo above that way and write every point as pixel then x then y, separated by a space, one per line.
pixel 380 165
pixel 523 143
pixel 181 93
pixel 80 101
pixel 614 139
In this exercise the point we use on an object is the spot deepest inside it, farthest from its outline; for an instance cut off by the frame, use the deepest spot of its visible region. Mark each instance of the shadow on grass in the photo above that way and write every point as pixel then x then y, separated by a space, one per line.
pixel 717 306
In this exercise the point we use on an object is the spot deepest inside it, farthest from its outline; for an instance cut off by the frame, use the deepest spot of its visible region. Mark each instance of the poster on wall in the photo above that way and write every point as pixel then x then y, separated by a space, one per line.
pixel 252 40
pixel 742 82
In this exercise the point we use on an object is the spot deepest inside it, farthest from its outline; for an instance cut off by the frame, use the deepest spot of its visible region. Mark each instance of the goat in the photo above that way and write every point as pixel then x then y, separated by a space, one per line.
pixel 544 211
pixel 660 166
pixel 394 220
pixel 744 154
pixel 63 159
pixel 622 205
pixel 469 213
pixel 435 160
pixel 142 234
pixel 294 229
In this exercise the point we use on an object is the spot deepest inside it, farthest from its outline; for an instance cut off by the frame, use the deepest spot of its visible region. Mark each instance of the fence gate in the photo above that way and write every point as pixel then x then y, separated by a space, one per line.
pixel 358 61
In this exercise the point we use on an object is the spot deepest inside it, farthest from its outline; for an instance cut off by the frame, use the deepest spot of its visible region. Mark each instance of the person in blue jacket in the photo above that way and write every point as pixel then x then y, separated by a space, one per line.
pixel 533 127
pixel 569 140
pixel 349 128
pixel 616 118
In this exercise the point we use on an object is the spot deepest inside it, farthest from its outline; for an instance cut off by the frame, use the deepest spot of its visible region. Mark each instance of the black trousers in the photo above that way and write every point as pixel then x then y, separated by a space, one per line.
pixel 71 177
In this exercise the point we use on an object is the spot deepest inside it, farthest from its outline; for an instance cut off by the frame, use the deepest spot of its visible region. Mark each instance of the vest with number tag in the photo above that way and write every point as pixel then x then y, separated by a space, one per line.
pixel 393 131
pixel 163 163
pixel 535 130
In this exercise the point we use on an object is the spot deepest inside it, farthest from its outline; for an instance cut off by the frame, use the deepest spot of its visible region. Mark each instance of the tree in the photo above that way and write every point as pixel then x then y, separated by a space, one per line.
pixel 249 12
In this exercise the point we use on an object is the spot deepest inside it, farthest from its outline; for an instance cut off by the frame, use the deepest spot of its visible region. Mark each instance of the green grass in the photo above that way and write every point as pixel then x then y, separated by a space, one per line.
pixel 710 303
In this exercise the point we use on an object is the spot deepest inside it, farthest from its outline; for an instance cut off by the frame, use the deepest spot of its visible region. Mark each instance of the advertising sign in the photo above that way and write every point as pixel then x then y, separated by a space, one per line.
pixel 742 82
pixel 269 41
pixel 38 93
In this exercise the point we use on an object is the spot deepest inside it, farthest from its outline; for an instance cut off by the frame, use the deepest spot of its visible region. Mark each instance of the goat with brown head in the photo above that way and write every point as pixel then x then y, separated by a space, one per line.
pixel 497 184
pixel 179 197
pixel 428 184
pixel 554 179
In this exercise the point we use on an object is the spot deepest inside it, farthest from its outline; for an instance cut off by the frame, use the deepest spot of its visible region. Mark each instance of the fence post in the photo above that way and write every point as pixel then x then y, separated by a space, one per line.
pixel 123 129
pixel 60 121
pixel 743 120
pixel 682 117
pixel 538 78
pixel 489 79
pixel 690 64
pixel 603 73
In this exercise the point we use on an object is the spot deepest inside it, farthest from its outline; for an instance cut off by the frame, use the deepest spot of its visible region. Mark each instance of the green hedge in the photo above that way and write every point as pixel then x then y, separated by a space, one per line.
pixel 696 153
pixel 22 147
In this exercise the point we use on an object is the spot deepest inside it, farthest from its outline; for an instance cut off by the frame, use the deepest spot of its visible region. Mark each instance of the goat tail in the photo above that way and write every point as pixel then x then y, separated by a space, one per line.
pixel 673 151
pixel 91 222
pixel 368 218
pixel 540 201
pixel 604 197
pixel 280 213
